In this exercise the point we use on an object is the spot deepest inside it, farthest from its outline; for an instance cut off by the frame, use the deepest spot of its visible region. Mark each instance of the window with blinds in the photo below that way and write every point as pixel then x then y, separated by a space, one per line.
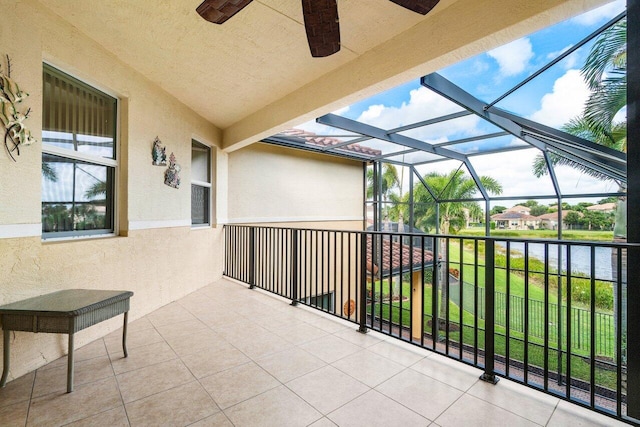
pixel 79 157
pixel 200 184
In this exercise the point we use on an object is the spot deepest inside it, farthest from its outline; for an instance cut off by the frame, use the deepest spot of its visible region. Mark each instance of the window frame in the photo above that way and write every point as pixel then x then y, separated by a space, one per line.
pixel 113 163
pixel 209 185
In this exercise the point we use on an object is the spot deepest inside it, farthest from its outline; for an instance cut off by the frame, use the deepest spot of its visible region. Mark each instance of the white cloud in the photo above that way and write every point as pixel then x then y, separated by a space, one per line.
pixel 422 105
pixel 513 58
pixel 567 63
pixel 565 102
pixel 602 13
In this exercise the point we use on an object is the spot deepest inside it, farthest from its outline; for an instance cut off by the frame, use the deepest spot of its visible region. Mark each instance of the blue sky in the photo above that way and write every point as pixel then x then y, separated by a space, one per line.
pixel 552 99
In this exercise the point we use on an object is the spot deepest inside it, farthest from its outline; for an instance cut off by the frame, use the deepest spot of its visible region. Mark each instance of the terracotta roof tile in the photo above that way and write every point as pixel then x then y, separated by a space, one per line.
pixel 327 141
pixel 394 256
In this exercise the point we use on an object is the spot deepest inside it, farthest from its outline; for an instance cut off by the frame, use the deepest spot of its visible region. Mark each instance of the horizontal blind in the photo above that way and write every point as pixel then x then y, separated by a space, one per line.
pixel 77 116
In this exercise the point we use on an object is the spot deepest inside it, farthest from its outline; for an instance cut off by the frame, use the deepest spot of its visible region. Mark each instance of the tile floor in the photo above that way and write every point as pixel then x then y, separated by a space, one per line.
pixel 250 359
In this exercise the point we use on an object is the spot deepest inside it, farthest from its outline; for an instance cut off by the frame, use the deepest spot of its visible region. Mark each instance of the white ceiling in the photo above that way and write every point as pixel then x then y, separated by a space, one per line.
pixel 241 74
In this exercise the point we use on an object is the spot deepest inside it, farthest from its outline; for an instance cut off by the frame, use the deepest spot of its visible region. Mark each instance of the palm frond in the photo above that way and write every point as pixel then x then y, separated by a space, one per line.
pixel 540 166
pixel 49 173
pixel 608 52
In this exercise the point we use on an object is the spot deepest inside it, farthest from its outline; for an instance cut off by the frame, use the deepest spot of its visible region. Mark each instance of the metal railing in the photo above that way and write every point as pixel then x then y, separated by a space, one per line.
pixel 532 315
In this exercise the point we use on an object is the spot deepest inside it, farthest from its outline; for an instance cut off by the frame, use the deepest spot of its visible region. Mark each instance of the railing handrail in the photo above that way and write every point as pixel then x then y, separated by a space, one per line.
pixel 611 244
pixel 342 272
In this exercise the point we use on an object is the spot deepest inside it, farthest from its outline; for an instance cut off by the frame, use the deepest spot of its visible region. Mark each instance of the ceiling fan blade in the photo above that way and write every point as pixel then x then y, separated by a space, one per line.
pixel 218 11
pixel 321 23
pixel 419 6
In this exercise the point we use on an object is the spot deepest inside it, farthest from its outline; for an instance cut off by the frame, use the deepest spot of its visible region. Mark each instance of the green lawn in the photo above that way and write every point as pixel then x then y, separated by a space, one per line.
pixel 585 235
pixel 580 368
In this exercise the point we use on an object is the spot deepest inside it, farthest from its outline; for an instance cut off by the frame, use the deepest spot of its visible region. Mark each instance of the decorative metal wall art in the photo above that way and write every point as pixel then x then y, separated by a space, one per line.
pixel 16 134
pixel 159 153
pixel 171 175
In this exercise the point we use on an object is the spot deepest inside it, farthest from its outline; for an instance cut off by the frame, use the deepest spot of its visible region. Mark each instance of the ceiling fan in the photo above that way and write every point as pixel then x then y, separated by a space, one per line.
pixel 320 19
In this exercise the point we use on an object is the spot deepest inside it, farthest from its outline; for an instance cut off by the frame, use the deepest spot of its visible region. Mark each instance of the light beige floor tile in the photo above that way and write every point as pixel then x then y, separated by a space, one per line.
pixel 86 400
pixel 397 353
pixel 241 330
pixel 323 422
pixel 300 332
pixel 568 414
pixel 179 329
pixel 290 364
pixel 89 351
pixel 216 420
pixel 153 379
pixel 453 373
pixel 330 348
pixel 358 338
pixel 138 324
pixel 141 357
pixel 368 368
pixel 237 384
pixel 14 415
pixel 277 407
pixel 55 379
pixel 116 417
pixel 170 313
pixel 327 389
pixel 204 340
pixel 279 320
pixel 182 405
pixel 330 325
pixel 471 411
pixel 528 403
pixel 424 395
pixel 374 409
pixel 17 390
pixel 133 326
pixel 135 339
pixel 263 345
pixel 207 363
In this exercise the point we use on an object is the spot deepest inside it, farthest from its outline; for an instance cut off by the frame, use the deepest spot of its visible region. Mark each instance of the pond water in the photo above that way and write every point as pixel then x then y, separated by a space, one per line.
pixel 580 257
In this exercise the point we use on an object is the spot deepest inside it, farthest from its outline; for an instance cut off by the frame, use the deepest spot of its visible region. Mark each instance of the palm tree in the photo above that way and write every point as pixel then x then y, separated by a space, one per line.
pixel 605 74
pixel 390 182
pixel 451 186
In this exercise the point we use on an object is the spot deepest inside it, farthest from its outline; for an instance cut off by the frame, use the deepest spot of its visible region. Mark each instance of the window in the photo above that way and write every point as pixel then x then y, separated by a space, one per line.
pixel 322 301
pixel 79 160
pixel 200 184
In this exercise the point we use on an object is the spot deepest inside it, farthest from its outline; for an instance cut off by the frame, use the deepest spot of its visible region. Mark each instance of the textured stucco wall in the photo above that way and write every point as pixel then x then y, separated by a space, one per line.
pixel 280 185
pixel 157 255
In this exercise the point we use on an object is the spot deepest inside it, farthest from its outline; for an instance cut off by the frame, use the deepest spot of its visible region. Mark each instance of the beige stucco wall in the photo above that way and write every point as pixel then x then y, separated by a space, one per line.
pixel 294 188
pixel 157 254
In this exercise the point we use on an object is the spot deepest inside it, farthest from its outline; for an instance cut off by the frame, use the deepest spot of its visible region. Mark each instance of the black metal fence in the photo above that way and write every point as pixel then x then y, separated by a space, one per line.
pixel 605 321
pixel 527 310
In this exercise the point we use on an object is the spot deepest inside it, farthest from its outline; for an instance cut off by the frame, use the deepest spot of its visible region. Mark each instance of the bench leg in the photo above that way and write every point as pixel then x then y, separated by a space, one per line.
pixel 70 365
pixel 124 334
pixel 5 358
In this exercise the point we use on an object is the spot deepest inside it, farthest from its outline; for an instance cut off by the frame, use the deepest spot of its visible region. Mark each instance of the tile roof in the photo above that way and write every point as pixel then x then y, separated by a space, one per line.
pixel 327 141
pixel 395 256
pixel 513 215
pixel 554 215
pixel 519 208
pixel 603 207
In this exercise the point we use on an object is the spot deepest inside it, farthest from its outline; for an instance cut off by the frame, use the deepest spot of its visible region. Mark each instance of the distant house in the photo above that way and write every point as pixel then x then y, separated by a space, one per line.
pixel 604 208
pixel 549 221
pixel 513 220
pixel 519 209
